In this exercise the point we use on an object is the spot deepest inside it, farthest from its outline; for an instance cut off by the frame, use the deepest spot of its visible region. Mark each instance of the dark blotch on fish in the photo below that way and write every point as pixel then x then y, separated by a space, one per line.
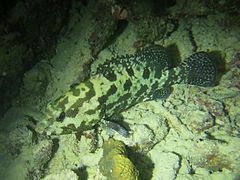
pixel 146 73
pixel 61 117
pixel 130 71
pixel 111 76
pixel 127 85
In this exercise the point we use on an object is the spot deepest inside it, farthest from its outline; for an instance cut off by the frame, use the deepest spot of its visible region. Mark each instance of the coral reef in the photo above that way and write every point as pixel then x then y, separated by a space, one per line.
pixel 66 174
pixel 193 134
pixel 149 25
pixel 115 164
pixel 26 38
pixel 151 28
pixel 31 162
pixel 105 26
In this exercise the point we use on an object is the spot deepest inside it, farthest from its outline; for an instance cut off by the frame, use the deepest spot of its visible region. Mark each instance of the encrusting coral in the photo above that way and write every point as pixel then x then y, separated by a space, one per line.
pixel 115 164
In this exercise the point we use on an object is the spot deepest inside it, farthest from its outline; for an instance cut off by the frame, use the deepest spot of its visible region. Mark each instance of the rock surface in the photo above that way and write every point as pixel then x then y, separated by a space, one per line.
pixel 193 134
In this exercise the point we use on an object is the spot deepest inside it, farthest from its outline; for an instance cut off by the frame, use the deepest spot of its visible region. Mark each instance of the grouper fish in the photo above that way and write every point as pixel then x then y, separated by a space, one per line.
pixel 124 81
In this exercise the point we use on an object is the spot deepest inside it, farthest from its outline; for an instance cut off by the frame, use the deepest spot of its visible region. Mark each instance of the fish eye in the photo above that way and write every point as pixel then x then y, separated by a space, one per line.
pixel 61 117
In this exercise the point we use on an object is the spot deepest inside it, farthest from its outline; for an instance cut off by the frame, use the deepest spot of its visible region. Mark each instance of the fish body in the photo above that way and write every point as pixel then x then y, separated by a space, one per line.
pixel 124 81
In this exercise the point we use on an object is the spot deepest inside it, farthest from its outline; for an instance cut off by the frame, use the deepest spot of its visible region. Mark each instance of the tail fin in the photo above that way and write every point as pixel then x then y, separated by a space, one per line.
pixel 198 69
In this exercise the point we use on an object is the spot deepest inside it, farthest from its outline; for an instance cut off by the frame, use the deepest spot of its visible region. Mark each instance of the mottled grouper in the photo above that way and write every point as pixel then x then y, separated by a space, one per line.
pixel 124 81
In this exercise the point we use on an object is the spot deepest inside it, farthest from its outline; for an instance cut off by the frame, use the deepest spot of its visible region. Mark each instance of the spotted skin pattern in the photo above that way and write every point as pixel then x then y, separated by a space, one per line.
pixel 124 81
